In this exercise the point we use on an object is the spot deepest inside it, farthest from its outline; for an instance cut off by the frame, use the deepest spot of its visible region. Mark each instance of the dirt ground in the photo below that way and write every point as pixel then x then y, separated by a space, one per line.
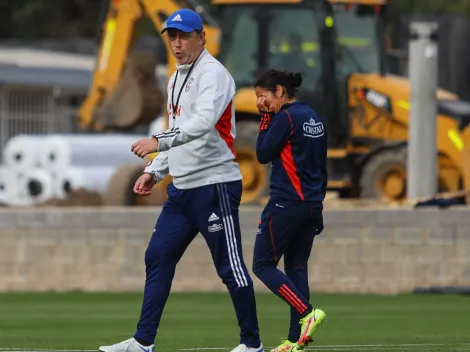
pixel 76 198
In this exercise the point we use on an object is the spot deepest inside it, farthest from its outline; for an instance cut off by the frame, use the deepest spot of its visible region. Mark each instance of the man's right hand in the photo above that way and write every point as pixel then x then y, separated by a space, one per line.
pixel 144 184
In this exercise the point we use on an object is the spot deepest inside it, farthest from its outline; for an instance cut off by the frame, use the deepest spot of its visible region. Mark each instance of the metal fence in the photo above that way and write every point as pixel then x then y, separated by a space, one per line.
pixel 36 110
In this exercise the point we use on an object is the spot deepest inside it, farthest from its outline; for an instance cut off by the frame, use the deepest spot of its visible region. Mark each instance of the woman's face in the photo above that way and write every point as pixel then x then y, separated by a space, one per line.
pixel 266 100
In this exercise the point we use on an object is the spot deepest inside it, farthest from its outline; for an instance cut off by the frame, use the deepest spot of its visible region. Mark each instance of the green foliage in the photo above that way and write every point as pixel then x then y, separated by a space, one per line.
pixel 431 6
pixel 33 19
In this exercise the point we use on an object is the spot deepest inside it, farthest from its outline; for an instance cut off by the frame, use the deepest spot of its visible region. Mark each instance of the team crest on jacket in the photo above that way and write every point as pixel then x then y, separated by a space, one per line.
pixel 313 129
pixel 188 85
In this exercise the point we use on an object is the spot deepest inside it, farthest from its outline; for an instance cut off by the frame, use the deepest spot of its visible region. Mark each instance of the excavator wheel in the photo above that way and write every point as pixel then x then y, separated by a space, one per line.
pixel 119 191
pixel 255 176
pixel 450 176
pixel 384 176
pixel 136 100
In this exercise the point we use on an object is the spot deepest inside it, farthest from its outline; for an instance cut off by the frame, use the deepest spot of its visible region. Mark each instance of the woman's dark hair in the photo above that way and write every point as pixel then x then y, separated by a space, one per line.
pixel 270 79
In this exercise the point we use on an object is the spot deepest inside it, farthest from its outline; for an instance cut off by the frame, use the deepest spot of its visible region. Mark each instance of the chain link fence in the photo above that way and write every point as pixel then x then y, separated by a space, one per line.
pixel 36 110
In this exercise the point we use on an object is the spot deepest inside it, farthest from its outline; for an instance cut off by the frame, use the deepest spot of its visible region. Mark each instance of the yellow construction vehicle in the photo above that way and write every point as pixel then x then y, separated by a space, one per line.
pixel 338 45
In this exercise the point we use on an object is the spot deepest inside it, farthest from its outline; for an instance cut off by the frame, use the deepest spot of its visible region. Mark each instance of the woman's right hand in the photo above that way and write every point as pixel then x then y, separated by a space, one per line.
pixel 262 106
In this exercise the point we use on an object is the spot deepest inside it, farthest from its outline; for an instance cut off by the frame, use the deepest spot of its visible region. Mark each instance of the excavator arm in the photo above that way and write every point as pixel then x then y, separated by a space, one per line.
pixel 118 30
pixel 124 92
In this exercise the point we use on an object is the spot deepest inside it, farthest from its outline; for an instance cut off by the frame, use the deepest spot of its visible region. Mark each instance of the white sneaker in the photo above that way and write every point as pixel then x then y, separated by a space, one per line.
pixel 130 345
pixel 244 348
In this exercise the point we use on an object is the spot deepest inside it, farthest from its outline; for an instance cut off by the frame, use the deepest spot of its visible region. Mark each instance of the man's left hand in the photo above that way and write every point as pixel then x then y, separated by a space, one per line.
pixel 145 146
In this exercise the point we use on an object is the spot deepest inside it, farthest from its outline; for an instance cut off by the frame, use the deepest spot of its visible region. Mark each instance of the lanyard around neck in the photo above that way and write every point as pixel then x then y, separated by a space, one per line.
pixel 174 106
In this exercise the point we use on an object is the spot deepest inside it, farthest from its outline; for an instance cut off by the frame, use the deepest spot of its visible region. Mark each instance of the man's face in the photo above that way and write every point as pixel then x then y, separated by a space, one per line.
pixel 185 46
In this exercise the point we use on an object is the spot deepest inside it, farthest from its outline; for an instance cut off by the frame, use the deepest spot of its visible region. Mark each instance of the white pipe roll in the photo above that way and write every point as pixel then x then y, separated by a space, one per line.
pixel 89 178
pixel 39 186
pixel 61 151
pixel 12 188
pixel 56 179
pixel 22 152
pixel 7 186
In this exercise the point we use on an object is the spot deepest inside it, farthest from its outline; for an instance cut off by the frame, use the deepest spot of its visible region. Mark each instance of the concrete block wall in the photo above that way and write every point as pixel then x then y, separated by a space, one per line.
pixel 102 249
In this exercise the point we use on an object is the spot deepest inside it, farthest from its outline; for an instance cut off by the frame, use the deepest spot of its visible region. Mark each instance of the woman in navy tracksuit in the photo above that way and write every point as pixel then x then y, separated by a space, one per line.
pixel 293 138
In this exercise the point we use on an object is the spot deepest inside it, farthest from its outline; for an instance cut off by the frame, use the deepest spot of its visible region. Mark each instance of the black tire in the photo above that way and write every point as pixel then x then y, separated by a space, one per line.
pixel 376 170
pixel 255 185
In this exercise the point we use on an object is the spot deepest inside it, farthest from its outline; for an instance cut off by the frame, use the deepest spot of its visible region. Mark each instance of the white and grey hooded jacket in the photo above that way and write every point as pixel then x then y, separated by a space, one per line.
pixel 197 149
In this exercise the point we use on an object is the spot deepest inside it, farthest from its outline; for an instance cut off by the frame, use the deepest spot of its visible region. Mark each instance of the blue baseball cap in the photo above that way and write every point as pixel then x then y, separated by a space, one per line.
pixel 185 20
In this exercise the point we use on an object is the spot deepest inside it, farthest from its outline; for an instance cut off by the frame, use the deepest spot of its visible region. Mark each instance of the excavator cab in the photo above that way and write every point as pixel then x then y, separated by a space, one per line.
pixel 324 41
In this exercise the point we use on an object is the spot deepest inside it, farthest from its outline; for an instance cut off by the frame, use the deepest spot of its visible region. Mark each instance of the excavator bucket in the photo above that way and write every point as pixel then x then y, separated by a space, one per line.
pixel 136 99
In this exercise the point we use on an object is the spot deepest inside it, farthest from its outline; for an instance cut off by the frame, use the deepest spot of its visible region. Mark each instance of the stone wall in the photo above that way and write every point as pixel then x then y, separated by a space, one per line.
pixel 102 249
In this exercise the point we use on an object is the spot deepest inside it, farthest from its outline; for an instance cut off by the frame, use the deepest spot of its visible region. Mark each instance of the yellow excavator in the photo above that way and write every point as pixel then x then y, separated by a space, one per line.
pixel 339 47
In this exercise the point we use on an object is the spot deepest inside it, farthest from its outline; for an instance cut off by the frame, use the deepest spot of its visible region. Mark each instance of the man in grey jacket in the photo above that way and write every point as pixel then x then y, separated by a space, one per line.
pixel 197 151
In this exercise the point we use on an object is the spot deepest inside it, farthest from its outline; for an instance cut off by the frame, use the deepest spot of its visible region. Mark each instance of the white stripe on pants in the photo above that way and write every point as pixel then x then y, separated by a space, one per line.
pixel 227 219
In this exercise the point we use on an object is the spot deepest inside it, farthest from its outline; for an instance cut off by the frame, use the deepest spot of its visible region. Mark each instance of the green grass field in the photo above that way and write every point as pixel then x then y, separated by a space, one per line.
pixel 81 321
